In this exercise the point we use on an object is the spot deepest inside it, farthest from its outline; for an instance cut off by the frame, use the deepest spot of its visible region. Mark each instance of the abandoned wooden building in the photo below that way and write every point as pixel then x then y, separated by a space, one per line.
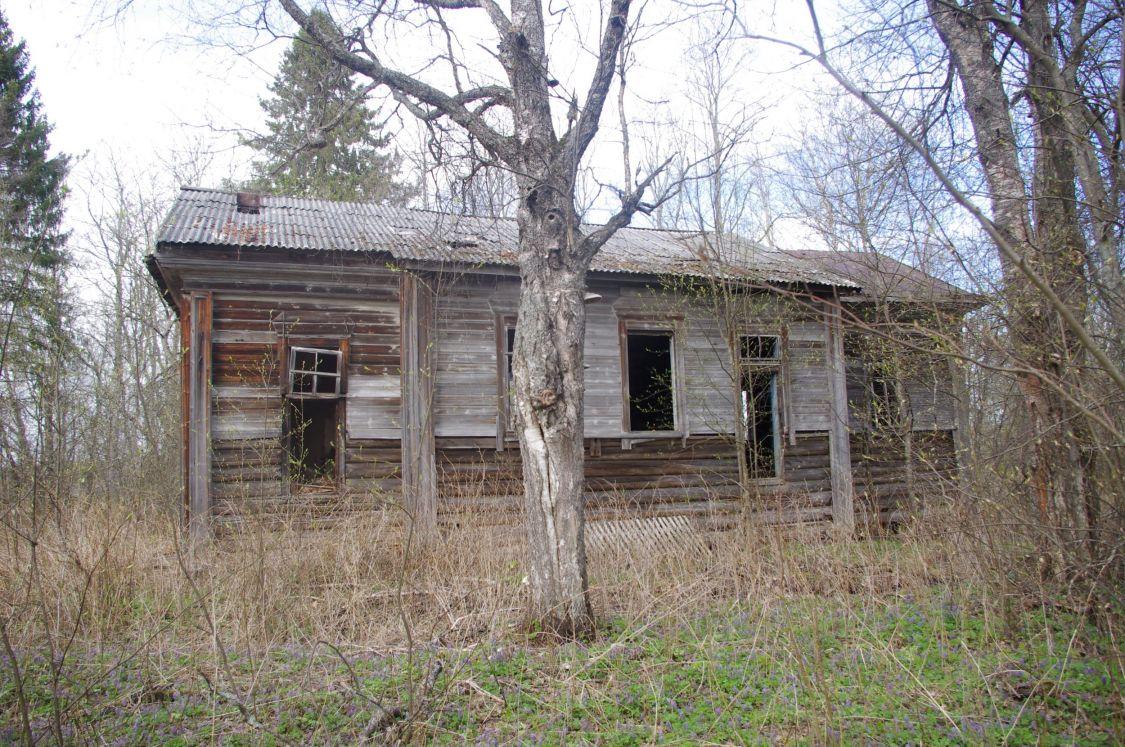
pixel 349 356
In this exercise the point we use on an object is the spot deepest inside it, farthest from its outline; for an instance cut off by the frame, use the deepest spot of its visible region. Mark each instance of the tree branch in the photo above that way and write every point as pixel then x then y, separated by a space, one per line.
pixel 500 21
pixel 490 96
pixel 582 135
pixel 501 146
pixel 594 241
pixel 1007 249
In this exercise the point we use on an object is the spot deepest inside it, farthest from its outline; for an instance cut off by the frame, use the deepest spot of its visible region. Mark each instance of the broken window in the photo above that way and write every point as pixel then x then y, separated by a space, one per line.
pixel 756 349
pixel 883 398
pixel 650 381
pixel 760 356
pixel 312 413
pixel 313 372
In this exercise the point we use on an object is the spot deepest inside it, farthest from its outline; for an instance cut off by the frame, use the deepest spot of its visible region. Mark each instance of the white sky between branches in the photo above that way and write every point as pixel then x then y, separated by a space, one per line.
pixel 139 88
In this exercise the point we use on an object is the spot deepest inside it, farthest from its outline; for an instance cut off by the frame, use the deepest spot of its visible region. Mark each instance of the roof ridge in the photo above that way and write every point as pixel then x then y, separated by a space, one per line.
pixel 193 188
pixel 210 216
pixel 366 203
pixel 430 211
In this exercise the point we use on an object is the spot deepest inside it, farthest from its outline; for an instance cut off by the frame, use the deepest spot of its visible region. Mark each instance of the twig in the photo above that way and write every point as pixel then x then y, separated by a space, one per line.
pixel 223 660
pixel 470 682
pixel 236 701
pixel 17 680
pixel 356 685
pixel 381 722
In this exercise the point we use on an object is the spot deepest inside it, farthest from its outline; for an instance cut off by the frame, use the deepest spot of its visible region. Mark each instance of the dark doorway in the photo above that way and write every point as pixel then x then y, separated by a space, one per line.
pixel 651 400
pixel 312 439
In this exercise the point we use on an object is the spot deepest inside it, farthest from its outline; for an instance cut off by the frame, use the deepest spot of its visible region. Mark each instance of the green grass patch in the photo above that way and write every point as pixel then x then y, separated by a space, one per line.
pixel 935 670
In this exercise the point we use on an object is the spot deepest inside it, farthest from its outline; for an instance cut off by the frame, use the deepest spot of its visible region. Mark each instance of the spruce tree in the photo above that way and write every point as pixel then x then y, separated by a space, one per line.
pixel 33 263
pixel 323 140
pixel 31 193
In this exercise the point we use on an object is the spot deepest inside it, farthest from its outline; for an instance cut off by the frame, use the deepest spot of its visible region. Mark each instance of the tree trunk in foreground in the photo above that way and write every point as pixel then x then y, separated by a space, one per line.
pixel 553 259
pixel 548 373
pixel 1037 215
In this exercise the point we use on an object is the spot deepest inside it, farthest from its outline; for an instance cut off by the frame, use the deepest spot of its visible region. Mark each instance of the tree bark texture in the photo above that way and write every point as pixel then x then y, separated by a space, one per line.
pixel 548 376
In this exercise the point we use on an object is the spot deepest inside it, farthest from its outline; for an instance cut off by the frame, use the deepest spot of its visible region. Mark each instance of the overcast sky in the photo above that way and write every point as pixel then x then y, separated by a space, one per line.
pixel 131 84
pixel 140 88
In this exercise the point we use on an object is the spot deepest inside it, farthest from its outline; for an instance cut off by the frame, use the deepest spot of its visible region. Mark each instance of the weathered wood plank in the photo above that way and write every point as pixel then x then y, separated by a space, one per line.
pixel 199 417
pixel 809 384
pixel 374 406
pixel 465 362
pixel 419 471
pixel 839 452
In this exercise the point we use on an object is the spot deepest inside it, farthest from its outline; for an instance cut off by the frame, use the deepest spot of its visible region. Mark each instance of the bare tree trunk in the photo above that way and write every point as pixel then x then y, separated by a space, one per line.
pixel 554 257
pixel 1061 248
pixel 1042 221
pixel 548 373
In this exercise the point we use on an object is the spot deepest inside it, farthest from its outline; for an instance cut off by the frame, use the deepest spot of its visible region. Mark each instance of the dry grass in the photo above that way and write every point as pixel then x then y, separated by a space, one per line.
pixel 113 572
pixel 112 620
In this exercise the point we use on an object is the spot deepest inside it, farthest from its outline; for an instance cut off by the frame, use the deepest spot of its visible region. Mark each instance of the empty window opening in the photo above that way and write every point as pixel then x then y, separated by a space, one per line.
pixel 651 385
pixel 509 390
pixel 759 411
pixel 761 359
pixel 314 372
pixel 313 411
pixel 311 424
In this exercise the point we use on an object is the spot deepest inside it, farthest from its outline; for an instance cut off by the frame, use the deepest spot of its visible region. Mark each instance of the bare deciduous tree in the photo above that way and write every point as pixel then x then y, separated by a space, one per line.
pixel 1036 207
pixel 511 121
pixel 130 349
pixel 1038 87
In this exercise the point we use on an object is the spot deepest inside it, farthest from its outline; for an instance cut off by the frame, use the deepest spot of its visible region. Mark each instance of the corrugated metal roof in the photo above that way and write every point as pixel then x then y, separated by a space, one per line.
pixel 885 278
pixel 212 217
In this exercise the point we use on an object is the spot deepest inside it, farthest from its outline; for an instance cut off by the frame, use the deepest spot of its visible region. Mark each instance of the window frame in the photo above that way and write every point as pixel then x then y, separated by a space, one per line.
pixel 505 360
pixel 649 327
pixel 291 372
pixel 885 412
pixel 776 366
pixel 286 350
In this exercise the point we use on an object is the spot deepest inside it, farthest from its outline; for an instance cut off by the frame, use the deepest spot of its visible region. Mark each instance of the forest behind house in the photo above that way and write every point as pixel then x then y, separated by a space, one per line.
pixel 979 142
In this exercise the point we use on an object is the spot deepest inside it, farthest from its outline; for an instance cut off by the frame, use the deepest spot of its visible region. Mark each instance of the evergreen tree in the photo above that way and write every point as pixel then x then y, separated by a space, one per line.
pixel 323 140
pixel 31 189
pixel 33 263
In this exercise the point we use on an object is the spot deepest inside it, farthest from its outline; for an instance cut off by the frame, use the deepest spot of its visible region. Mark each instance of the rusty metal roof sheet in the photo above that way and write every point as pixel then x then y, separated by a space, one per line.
pixel 213 217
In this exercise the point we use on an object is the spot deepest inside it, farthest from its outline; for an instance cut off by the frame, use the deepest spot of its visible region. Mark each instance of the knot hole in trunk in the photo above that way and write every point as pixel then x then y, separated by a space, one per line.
pixel 545 399
pixel 553 227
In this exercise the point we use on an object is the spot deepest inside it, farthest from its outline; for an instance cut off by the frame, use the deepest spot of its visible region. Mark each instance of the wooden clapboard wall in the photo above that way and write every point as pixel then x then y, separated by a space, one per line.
pixel 809 393
pixel 603 365
pixel 464 355
pixel 664 476
pixel 468 336
pixel 258 307
pixel 886 481
pixel 250 335
pixel 902 466
pixel 470 314
pixel 693 472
